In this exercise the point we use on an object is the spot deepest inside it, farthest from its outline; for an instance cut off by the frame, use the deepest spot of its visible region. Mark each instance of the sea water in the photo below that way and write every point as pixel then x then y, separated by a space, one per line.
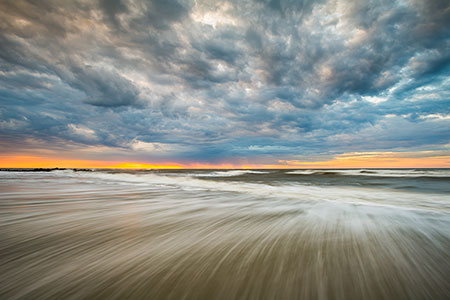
pixel 225 234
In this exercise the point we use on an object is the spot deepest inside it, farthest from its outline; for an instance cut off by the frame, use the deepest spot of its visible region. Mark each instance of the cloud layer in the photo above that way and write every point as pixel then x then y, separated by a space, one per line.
pixel 209 81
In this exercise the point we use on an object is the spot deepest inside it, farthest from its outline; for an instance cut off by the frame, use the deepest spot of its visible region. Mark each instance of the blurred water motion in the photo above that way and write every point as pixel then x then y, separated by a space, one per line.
pixel 354 234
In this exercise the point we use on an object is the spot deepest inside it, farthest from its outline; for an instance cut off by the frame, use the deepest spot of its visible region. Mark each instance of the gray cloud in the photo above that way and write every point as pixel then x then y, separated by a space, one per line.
pixel 226 80
pixel 112 9
pixel 103 87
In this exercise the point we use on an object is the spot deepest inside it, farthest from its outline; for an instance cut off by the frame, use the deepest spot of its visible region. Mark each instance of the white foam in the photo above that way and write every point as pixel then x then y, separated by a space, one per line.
pixel 302 172
pixel 408 173
pixel 230 173
pixel 353 195
pixel 378 172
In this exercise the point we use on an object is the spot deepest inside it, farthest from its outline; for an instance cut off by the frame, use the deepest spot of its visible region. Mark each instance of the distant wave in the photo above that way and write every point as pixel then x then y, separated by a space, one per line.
pixel 444 173
pixel 287 190
pixel 230 173
pixel 377 172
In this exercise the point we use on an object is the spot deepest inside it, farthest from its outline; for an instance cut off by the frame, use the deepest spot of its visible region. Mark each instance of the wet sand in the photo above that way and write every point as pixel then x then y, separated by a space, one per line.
pixel 90 235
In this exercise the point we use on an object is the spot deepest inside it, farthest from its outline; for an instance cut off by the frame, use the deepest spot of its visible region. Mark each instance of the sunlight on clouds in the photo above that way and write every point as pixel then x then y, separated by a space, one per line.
pixel 82 131
pixel 325 72
pixel 154 148
pixel 277 105
pixel 359 36
pixel 374 99
pixel 216 17
pixel 436 117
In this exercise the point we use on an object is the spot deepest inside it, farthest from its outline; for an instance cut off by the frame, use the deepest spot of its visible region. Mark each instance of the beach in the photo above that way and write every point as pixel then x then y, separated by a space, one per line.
pixel 225 234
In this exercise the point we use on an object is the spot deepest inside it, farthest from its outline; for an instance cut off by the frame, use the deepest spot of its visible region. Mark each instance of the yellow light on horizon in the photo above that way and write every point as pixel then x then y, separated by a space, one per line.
pixel 143 166
pixel 345 160
pixel 22 161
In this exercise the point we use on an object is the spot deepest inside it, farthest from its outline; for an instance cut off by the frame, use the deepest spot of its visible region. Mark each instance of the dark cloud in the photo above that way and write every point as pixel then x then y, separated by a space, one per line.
pixel 103 87
pixel 207 80
pixel 161 13
pixel 220 50
pixel 288 6
pixel 112 9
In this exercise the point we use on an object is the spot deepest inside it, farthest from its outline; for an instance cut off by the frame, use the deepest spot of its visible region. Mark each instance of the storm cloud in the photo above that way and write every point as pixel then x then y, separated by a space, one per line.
pixel 214 81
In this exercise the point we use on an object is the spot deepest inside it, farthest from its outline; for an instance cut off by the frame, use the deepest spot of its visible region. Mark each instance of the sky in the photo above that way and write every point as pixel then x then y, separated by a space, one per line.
pixel 248 83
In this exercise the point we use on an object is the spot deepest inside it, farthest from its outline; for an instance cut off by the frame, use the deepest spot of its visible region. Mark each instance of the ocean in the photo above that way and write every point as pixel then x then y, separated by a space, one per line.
pixel 225 234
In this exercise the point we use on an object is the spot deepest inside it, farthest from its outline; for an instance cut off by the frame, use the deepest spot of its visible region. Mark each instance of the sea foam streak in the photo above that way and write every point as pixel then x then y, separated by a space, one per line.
pixel 221 235
pixel 378 172
pixel 359 195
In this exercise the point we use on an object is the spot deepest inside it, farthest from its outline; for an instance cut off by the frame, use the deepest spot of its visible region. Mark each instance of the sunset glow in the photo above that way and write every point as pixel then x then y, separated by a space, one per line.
pixel 348 160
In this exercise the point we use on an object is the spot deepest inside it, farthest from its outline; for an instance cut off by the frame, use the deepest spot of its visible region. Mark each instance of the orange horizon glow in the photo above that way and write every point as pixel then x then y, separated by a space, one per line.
pixel 342 161
pixel 378 160
pixel 22 161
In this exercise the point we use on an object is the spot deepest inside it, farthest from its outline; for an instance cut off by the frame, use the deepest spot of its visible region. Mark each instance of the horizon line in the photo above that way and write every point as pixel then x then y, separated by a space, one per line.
pixel 182 168
pixel 355 160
